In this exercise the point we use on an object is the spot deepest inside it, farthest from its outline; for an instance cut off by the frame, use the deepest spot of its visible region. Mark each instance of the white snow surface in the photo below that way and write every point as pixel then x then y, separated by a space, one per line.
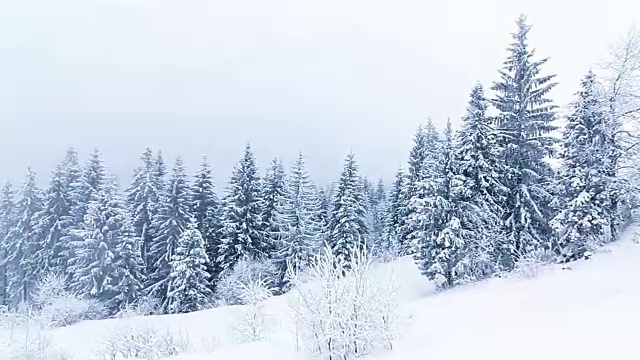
pixel 590 310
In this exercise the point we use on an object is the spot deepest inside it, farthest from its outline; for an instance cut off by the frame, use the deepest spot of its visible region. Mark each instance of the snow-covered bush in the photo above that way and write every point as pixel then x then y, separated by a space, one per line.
pixel 23 337
pixel 143 341
pixel 530 264
pixel 344 309
pixel 253 323
pixel 144 306
pixel 230 287
pixel 59 307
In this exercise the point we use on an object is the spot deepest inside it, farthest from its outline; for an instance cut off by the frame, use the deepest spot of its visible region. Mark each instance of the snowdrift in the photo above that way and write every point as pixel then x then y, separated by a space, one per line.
pixel 587 310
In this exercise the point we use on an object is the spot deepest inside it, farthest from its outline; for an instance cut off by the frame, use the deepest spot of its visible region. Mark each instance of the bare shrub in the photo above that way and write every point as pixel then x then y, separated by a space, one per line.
pixel 343 309
pixel 143 341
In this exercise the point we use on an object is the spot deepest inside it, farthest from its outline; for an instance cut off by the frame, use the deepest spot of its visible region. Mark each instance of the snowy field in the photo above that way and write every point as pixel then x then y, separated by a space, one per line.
pixel 588 311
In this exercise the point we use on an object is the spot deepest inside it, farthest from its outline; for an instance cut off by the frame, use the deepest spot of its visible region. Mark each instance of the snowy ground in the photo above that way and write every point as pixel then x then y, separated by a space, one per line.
pixel 591 311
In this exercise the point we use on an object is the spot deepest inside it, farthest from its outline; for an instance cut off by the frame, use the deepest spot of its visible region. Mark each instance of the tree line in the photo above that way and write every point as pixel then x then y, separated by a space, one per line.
pixel 472 203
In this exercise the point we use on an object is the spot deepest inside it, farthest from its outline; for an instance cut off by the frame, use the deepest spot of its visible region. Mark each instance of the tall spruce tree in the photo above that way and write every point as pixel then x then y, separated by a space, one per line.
pixel 21 244
pixel 273 195
pixel 7 222
pixel 189 281
pixel 422 194
pixel 53 222
pixel 587 182
pixel 207 213
pixel 396 214
pixel 107 263
pixel 526 115
pixel 299 219
pixel 347 226
pixel 172 220
pixel 242 225
pixel 481 168
pixel 143 198
pixel 444 247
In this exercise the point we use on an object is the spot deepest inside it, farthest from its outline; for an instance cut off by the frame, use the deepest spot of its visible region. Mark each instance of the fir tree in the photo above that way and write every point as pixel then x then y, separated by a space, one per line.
pixel 396 214
pixel 299 219
pixel 189 281
pixel 7 222
pixel 481 167
pixel 347 226
pixel 21 244
pixel 422 195
pixel 443 248
pixel 89 185
pixel 160 172
pixel 107 263
pixel 172 220
pixel 525 119
pixel 587 182
pixel 273 195
pixel 242 235
pixel 207 212
pixel 53 222
pixel 143 198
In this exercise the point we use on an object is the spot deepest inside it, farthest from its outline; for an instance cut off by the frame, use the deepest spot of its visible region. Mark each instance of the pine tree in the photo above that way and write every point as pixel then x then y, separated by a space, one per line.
pixel 21 245
pixel 422 195
pixel 172 220
pixel 587 182
pixel 128 278
pixel 482 170
pixel 143 198
pixel 7 222
pixel 160 172
pixel 273 195
pixel 396 214
pixel 376 216
pixel 444 247
pixel 89 185
pixel 189 281
pixel 107 263
pixel 52 224
pixel 347 225
pixel 242 235
pixel 525 119
pixel 72 180
pixel 299 219
pixel 207 212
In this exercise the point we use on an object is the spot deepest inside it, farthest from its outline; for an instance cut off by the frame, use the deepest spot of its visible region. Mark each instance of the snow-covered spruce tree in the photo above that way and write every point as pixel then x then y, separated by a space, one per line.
pixel 107 265
pixel 481 192
pixel 273 195
pixel 52 224
pixel 160 172
pixel 376 208
pixel 7 222
pixel 143 198
pixel 87 187
pixel 171 221
pixel 189 286
pixel 525 119
pixel 447 238
pixel 587 181
pixel 207 213
pixel 421 198
pixel 396 213
pixel 300 220
pixel 242 235
pixel 21 245
pixel 347 225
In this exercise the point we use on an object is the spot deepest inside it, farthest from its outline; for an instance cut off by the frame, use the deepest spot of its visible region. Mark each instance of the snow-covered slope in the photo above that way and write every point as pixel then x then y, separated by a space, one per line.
pixel 590 311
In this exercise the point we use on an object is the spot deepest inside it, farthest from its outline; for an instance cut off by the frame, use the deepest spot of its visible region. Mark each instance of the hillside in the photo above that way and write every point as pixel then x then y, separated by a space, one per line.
pixel 585 311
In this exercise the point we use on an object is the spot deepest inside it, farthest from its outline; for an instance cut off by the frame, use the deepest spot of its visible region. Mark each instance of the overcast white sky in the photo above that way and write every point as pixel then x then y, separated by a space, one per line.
pixel 318 76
